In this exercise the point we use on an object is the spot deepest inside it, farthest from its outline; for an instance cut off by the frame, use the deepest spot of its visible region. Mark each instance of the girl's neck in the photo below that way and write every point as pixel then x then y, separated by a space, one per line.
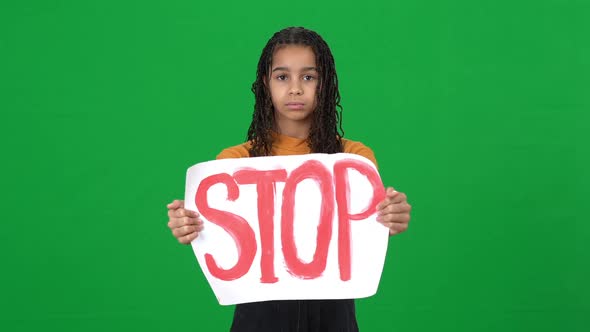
pixel 296 130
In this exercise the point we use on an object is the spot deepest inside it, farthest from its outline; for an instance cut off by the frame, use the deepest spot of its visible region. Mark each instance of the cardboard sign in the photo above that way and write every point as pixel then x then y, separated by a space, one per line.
pixel 288 227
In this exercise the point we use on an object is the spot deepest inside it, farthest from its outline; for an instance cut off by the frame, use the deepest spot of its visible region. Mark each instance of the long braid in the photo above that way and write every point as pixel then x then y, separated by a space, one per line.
pixel 326 132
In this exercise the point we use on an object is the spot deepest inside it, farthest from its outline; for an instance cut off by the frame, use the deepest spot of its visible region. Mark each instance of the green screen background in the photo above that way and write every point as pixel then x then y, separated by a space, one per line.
pixel 478 110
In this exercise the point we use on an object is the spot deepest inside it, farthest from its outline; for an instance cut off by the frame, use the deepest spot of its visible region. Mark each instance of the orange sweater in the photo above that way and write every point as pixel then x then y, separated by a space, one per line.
pixel 287 146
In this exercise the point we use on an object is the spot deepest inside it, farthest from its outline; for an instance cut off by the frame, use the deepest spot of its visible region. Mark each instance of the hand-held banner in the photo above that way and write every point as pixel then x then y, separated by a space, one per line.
pixel 288 227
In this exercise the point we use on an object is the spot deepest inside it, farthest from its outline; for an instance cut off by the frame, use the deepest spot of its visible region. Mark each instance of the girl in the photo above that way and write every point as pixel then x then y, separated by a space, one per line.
pixel 297 111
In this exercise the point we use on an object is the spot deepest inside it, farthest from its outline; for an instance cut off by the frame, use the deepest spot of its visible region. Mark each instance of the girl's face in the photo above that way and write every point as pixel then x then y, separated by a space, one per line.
pixel 293 82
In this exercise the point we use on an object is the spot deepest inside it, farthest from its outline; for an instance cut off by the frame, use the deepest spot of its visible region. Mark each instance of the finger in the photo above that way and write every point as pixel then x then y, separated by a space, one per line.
pixel 394 228
pixel 181 213
pixel 174 223
pixel 397 228
pixel 390 208
pixel 177 203
pixel 384 203
pixel 189 221
pixel 184 221
pixel 391 196
pixel 192 214
pixel 188 238
pixel 401 218
pixel 185 230
pixel 176 213
pixel 395 208
pixel 390 192
pixel 398 198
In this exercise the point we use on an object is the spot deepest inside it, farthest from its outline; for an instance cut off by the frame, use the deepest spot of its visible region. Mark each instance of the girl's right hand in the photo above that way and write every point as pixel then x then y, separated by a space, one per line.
pixel 184 224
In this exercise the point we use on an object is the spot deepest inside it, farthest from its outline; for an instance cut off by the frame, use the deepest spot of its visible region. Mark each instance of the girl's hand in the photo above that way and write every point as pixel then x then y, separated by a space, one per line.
pixel 184 224
pixel 394 211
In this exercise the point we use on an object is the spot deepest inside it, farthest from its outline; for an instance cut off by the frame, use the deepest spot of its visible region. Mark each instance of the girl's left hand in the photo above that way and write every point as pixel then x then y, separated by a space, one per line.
pixel 394 211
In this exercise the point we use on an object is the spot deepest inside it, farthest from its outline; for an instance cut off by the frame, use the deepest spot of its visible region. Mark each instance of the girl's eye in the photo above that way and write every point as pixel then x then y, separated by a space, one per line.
pixel 282 77
pixel 308 77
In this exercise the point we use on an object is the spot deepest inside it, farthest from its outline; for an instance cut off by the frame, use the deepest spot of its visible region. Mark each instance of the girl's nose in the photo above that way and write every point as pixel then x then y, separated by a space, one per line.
pixel 296 89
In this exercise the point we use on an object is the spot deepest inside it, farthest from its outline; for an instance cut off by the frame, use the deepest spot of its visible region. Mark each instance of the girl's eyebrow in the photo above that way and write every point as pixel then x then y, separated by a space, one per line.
pixel 287 69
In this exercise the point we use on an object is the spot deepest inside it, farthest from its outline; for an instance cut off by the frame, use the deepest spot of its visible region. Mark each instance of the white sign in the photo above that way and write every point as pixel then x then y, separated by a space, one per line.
pixel 288 227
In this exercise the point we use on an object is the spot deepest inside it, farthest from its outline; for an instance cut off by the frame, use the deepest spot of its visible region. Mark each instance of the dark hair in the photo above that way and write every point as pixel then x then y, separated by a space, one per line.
pixel 326 132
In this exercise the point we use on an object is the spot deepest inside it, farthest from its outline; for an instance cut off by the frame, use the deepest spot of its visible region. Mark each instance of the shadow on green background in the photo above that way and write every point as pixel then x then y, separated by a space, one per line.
pixel 479 111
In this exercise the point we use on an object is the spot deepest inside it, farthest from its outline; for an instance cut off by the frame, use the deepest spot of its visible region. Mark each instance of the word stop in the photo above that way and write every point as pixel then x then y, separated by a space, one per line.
pixel 333 187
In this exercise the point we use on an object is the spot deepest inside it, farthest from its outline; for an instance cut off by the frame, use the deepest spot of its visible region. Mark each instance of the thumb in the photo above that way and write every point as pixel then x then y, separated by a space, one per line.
pixel 391 192
pixel 176 204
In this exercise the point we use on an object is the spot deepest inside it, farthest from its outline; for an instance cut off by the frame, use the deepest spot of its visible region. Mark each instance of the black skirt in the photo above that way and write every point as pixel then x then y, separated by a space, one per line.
pixel 296 316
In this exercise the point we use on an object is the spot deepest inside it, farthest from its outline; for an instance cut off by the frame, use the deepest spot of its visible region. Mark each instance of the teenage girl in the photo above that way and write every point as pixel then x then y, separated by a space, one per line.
pixel 297 111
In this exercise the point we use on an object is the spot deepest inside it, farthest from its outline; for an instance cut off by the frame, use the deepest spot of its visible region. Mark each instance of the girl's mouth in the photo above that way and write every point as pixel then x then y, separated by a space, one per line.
pixel 295 106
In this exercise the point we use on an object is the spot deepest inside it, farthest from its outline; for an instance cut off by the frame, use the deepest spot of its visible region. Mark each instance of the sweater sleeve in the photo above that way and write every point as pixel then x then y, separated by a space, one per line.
pixel 238 151
pixel 360 149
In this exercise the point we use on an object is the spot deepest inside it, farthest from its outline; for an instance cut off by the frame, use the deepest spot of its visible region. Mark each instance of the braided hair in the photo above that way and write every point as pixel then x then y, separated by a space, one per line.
pixel 325 135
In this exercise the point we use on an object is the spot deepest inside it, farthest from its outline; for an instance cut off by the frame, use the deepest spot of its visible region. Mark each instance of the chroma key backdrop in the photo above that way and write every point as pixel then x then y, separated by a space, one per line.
pixel 478 110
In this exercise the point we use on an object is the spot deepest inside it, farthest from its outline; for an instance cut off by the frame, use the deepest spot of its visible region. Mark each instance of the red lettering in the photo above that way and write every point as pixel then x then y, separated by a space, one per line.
pixel 342 189
pixel 235 225
pixel 266 188
pixel 265 181
pixel 316 171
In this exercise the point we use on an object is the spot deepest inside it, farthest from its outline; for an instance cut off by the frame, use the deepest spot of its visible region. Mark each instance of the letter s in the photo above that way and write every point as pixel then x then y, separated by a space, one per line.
pixel 233 224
